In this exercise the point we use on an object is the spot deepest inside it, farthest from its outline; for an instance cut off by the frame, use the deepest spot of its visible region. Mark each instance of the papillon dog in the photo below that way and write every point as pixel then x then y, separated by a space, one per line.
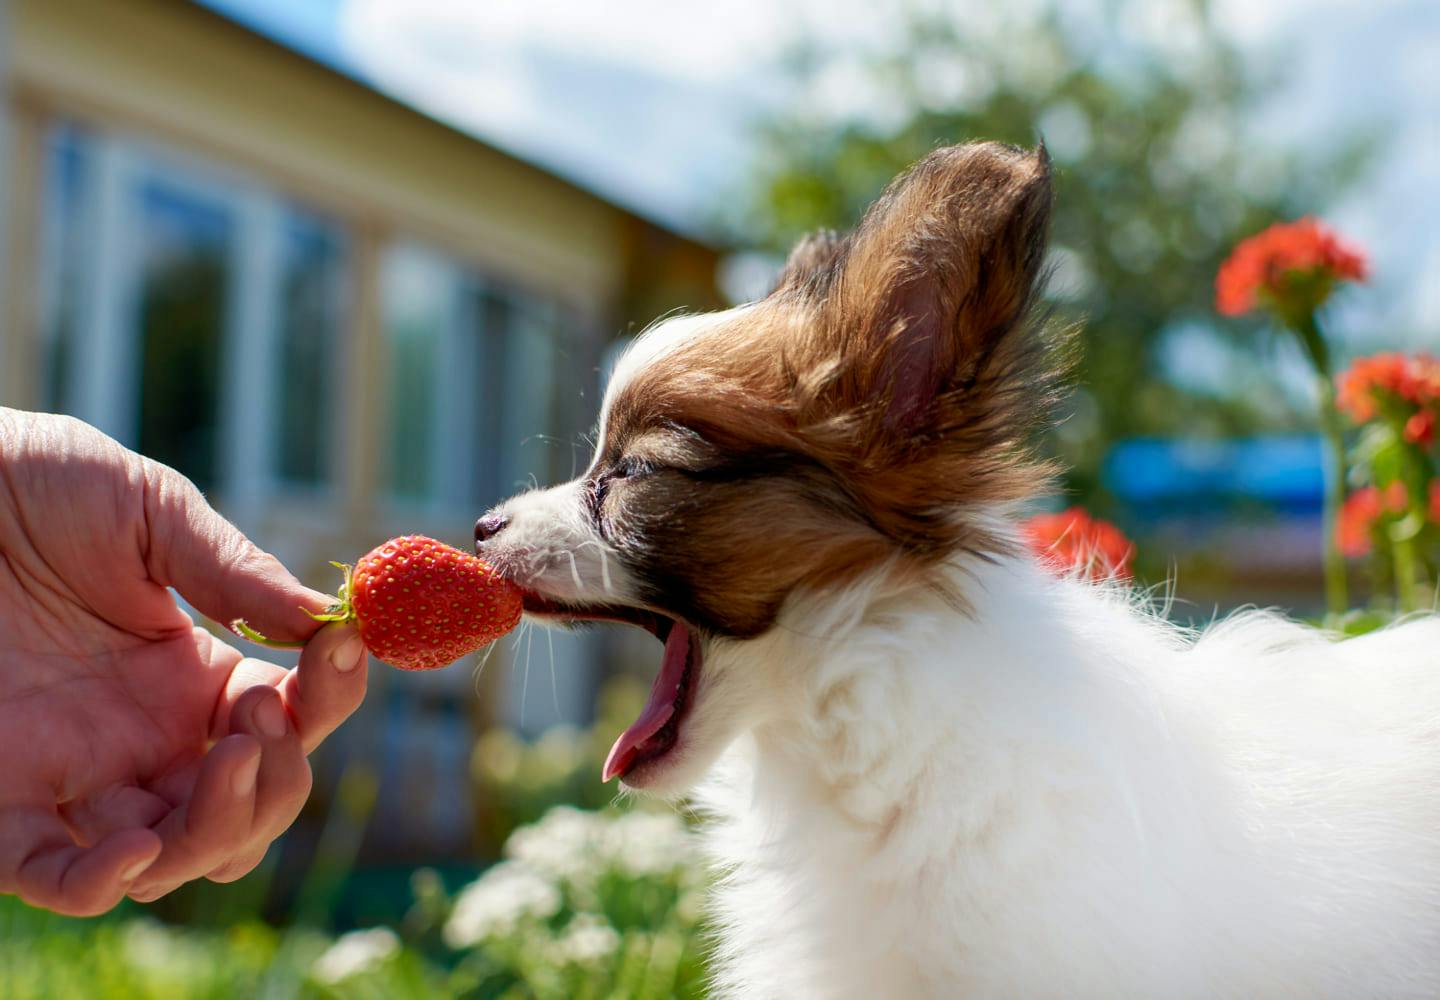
pixel 930 766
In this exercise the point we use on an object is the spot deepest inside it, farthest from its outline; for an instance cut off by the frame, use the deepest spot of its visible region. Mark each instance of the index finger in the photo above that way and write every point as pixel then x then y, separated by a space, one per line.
pixel 215 567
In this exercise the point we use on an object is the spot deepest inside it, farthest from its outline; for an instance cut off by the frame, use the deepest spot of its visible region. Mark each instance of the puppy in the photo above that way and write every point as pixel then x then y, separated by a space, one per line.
pixel 931 768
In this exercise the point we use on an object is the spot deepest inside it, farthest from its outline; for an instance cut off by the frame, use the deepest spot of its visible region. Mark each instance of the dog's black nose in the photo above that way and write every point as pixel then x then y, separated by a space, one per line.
pixel 489 526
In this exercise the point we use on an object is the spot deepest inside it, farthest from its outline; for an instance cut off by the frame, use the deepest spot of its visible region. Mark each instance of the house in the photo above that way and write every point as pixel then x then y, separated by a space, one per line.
pixel 342 318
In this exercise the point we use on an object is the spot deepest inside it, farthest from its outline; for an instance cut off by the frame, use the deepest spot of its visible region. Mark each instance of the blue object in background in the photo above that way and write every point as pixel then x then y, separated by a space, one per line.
pixel 1284 473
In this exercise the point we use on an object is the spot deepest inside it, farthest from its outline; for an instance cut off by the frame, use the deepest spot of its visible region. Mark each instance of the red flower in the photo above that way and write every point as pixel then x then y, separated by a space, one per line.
pixel 1362 509
pixel 1073 540
pixel 1412 379
pixel 1276 263
pixel 1420 428
pixel 1359 513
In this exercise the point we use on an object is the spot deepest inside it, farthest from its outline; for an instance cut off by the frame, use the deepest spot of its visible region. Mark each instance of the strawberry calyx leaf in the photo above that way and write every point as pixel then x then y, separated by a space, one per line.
pixel 343 610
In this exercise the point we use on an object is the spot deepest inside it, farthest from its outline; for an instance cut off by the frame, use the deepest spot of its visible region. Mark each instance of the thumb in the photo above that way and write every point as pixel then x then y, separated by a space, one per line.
pixel 215 567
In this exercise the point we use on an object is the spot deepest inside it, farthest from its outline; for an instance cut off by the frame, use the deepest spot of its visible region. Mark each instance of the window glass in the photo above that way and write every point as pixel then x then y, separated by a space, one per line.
pixel 491 318
pixel 308 352
pixel 186 250
pixel 530 438
pixel 418 305
pixel 510 388
pixel 67 180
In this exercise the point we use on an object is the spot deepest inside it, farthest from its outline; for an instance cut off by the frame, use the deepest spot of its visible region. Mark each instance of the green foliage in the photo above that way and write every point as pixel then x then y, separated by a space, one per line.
pixel 586 904
pixel 1155 182
pixel 518 782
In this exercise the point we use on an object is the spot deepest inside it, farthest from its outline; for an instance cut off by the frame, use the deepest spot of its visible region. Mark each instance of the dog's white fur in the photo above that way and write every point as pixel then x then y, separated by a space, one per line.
pixel 1060 795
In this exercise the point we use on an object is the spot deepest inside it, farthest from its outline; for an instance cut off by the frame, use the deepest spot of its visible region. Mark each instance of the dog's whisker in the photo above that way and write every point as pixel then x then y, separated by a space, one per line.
pixel 599 547
pixel 575 571
pixel 554 682
pixel 525 677
pixel 480 663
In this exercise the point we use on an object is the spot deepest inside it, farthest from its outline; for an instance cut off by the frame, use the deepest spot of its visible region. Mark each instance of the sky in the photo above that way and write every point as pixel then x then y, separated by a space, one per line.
pixel 651 102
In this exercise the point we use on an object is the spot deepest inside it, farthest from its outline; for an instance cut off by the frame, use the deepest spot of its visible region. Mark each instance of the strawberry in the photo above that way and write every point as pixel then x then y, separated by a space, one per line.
pixel 420 604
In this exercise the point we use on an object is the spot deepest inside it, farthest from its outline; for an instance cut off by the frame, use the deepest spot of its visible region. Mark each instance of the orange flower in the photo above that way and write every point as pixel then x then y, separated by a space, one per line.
pixel 1073 540
pixel 1278 263
pixel 1420 428
pixel 1355 528
pixel 1413 379
pixel 1361 510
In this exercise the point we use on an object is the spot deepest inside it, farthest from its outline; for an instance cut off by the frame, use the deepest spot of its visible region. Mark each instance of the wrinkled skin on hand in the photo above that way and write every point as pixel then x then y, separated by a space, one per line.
pixel 140 752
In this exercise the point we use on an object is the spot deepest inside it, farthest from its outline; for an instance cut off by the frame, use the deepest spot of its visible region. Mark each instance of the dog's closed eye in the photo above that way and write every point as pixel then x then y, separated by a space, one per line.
pixel 624 470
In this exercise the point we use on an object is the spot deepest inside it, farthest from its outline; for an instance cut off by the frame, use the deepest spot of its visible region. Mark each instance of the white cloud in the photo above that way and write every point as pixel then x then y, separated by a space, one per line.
pixel 697 41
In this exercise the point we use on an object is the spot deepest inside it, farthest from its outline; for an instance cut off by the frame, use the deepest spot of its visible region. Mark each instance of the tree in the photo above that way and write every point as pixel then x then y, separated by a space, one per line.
pixel 1156 180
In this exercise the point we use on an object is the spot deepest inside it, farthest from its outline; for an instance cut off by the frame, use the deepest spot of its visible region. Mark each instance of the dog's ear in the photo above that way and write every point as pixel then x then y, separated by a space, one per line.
pixel 940 272
pixel 811 266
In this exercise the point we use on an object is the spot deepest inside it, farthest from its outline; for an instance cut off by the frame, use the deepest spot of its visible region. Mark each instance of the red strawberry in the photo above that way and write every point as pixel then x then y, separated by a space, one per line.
pixel 421 604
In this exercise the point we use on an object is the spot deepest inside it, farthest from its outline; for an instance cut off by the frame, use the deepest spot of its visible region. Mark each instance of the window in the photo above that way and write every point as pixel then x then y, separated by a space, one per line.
pixel 307 354
pixel 476 373
pixel 418 312
pixel 68 170
pixel 511 388
pixel 191 313
pixel 184 298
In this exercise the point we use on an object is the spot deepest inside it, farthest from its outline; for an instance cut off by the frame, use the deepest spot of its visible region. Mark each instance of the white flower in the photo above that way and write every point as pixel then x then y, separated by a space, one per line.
pixel 649 843
pixel 587 939
pixel 497 901
pixel 152 945
pixel 353 953
pixel 562 844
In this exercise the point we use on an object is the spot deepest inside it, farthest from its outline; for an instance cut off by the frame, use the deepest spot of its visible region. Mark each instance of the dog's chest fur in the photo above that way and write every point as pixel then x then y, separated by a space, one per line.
pixel 1057 795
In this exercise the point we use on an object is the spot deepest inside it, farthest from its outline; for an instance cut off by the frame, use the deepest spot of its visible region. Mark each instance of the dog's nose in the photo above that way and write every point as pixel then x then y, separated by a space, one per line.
pixel 489 526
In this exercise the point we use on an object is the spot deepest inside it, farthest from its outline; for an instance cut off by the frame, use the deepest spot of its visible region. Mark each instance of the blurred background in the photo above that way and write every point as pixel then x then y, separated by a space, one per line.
pixel 358 268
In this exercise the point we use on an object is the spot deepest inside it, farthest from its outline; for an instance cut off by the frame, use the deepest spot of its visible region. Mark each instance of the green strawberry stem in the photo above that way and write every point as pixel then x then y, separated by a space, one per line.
pixel 341 611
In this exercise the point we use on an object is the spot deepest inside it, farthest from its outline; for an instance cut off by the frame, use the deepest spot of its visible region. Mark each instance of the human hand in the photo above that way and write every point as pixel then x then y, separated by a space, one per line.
pixel 139 751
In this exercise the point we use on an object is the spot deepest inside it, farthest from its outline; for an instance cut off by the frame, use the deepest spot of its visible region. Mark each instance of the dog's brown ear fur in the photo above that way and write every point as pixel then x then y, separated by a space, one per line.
pixel 811 264
pixel 940 273
pixel 923 352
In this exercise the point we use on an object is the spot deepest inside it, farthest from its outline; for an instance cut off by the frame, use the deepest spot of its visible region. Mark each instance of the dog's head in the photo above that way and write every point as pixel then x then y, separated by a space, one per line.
pixel 865 420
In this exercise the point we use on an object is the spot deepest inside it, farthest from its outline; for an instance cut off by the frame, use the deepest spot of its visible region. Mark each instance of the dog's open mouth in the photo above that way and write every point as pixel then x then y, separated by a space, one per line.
pixel 657 730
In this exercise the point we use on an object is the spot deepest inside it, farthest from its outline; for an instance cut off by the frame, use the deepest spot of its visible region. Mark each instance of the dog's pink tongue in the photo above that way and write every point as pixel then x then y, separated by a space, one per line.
pixel 658 709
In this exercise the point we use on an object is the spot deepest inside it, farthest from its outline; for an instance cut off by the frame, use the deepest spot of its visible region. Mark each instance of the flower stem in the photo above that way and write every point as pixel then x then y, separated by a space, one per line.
pixel 1336 599
pixel 1402 547
pixel 1404 532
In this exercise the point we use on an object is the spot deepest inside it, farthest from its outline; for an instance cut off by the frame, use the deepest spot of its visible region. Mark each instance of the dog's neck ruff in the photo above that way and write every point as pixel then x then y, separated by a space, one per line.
pixel 1055 792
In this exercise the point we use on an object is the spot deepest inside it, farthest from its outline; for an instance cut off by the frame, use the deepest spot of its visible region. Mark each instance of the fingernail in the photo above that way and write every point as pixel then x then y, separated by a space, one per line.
pixel 347 656
pixel 243 781
pixel 270 718
pixel 136 870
